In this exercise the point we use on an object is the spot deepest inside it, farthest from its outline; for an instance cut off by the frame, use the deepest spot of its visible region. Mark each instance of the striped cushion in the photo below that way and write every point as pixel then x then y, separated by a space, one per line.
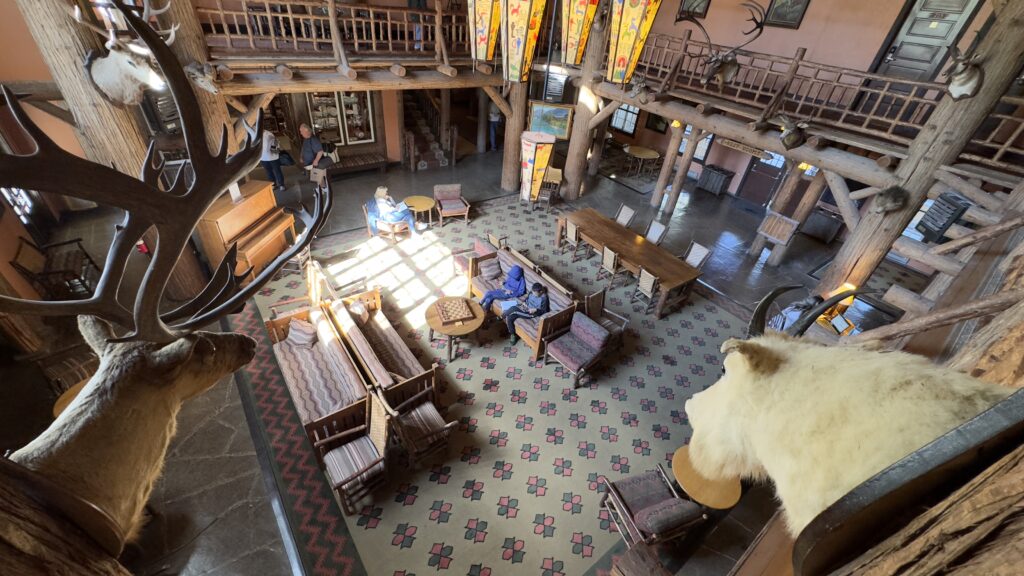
pixel 344 461
pixel 301 333
pixel 571 351
pixel 482 285
pixel 420 421
pixel 490 269
pixel 391 350
pixel 363 348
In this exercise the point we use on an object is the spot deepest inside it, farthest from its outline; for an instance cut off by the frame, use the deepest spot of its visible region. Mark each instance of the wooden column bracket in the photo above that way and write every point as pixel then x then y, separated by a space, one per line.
pixel 887 161
pixel 223 73
pixel 236 104
pixel 284 71
pixel 341 60
pixel 818 142
pixel 975 194
pixel 442 49
pixel 780 95
pixel 498 100
pixel 908 300
pixel 919 251
pixel 706 109
pixel 602 114
pixel 398 70
pixel 484 68
pixel 54 110
pixel 251 113
pixel 973 238
pixel 864 193
pixel 33 90
pixel 841 192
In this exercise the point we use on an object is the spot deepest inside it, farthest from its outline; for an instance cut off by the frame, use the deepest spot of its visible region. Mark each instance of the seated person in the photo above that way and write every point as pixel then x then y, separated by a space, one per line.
pixel 388 211
pixel 536 305
pixel 514 287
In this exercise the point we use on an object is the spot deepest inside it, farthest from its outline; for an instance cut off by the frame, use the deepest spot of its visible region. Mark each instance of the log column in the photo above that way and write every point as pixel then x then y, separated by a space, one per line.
pixel 190 47
pixel 582 137
pixel 683 168
pixel 597 149
pixel 483 106
pixel 939 143
pixel 671 153
pixel 802 211
pixel 446 119
pixel 514 125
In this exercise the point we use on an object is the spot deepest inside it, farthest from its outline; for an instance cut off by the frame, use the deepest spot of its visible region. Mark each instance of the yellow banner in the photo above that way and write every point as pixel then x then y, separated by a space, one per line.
pixel 631 22
pixel 520 25
pixel 577 19
pixel 536 153
pixel 485 17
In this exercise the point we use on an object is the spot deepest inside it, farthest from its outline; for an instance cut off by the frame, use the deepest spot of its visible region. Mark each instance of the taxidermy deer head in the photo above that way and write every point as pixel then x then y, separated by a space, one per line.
pixel 965 74
pixel 128 68
pixel 820 420
pixel 203 75
pixel 792 135
pixel 722 66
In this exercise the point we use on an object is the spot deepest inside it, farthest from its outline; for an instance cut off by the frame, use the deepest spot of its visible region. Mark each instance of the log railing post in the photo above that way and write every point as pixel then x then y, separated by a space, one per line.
pixel 683 167
pixel 671 153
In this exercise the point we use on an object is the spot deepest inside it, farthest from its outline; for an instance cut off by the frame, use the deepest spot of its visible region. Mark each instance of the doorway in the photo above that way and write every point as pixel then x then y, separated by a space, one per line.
pixel 762 178
pixel 920 45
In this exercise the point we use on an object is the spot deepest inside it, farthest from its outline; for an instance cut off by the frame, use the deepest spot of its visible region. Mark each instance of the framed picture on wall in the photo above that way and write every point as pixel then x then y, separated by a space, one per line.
pixel 694 8
pixel 554 119
pixel 656 123
pixel 786 13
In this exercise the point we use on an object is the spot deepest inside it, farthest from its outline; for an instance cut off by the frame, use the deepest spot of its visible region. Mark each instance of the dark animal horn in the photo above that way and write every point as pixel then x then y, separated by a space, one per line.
pixel 757 321
pixel 807 318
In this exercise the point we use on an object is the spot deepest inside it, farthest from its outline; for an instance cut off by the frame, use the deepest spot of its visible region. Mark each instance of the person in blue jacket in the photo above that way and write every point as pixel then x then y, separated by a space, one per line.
pixel 384 208
pixel 537 304
pixel 514 287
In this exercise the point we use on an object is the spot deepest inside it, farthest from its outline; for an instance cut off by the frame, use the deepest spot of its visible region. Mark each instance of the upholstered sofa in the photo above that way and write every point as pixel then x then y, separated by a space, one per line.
pixel 488 273
pixel 461 258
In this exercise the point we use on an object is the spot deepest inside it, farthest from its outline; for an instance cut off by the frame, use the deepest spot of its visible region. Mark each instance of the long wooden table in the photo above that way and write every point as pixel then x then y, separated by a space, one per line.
pixel 675 277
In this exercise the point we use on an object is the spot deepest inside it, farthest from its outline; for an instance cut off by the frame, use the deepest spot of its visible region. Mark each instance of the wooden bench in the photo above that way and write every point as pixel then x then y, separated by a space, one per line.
pixel 357 163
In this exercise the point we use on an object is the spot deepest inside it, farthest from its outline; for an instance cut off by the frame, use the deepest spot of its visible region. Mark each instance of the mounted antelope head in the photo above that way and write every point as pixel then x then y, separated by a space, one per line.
pixel 722 66
pixel 792 135
pixel 965 74
pixel 128 67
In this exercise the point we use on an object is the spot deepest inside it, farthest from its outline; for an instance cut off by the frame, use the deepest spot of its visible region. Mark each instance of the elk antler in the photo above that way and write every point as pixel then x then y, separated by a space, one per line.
pixel 173 212
pixel 757 16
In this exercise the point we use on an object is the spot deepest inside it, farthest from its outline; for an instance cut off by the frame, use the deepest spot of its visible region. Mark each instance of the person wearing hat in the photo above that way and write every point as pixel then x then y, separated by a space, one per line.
pixel 536 304
pixel 383 207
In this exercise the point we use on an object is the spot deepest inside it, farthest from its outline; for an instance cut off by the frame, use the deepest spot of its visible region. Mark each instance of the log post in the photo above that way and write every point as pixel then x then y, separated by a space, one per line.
pixel 446 119
pixel 597 148
pixel 581 139
pixel 683 168
pixel 340 58
pixel 671 153
pixel 950 128
pixel 190 46
pixel 514 126
pixel 483 105
pixel 841 192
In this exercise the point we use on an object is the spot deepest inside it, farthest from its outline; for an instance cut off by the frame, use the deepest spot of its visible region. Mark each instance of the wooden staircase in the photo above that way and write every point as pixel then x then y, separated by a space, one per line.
pixel 423 150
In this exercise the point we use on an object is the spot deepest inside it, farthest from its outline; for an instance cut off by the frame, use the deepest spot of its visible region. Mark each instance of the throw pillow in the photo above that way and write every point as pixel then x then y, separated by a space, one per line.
pixel 301 333
pixel 667 515
pixel 490 269
pixel 359 312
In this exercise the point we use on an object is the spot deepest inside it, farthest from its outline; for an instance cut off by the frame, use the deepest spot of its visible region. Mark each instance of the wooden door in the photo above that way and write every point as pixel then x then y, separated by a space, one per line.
pixel 762 179
pixel 920 47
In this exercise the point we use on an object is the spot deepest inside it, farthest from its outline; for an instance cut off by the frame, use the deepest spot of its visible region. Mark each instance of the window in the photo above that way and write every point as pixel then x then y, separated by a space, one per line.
pixel 776 160
pixel 624 119
pixel 702 147
pixel 20 202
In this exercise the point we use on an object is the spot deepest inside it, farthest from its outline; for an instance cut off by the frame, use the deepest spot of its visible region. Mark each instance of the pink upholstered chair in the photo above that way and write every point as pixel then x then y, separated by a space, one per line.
pixel 646 508
pixel 580 348
pixel 450 202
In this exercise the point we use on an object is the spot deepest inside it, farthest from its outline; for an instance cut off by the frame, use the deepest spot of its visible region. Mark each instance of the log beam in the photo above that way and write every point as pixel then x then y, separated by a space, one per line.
pixel 514 126
pixel 483 68
pixel 606 112
pixel 55 111
pixel 940 141
pixel 910 248
pixel 397 70
pixel 864 193
pixel 284 71
pixel 340 58
pixel 35 90
pixel 237 104
pixel 841 192
pixel 973 193
pixel 671 153
pixel 907 300
pixel 499 101
pixel 973 238
pixel 482 120
pixel 447 70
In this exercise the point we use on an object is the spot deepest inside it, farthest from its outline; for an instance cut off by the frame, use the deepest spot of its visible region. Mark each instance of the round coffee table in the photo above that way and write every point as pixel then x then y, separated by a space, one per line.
pixel 642 154
pixel 421 204
pixel 455 330
pixel 717 494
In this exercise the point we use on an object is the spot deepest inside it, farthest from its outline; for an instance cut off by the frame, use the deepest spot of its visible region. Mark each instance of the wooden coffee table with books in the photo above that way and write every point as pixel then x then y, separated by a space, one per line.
pixel 454 317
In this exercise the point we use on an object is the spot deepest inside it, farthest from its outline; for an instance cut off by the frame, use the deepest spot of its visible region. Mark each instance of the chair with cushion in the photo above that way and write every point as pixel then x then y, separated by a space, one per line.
pixel 647 509
pixel 647 287
pixel 656 232
pixel 351 448
pixel 59 271
pixel 461 258
pixel 549 188
pixel 389 229
pixel 625 215
pixel 419 425
pixel 578 349
pixel 614 323
pixel 696 255
pixel 450 202
pixel 609 266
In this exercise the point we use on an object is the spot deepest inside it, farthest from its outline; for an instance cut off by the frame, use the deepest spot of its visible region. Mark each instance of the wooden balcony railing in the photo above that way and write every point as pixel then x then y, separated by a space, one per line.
pixel 296 28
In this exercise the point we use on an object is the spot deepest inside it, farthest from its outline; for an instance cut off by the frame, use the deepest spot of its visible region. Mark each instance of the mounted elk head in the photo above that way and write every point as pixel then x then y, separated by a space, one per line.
pixel 119 425
pixel 819 420
pixel 722 66
pixel 965 74
pixel 128 67
pixel 793 135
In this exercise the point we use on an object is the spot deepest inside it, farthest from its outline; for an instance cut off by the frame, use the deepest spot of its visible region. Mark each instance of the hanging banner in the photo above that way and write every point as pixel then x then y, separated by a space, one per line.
pixel 520 25
pixel 485 16
pixel 577 19
pixel 630 23
pixel 536 153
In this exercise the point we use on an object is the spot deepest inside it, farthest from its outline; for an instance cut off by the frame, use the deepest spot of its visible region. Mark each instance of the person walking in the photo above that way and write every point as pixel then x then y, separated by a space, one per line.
pixel 494 119
pixel 271 160
pixel 536 304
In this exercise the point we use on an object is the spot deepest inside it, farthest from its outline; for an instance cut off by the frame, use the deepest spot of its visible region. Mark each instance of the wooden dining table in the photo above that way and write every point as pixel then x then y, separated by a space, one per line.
pixel 675 276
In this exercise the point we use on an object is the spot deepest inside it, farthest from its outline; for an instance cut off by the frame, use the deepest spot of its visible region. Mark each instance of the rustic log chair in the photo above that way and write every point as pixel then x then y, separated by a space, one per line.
pixel 624 216
pixel 696 255
pixel 59 271
pixel 413 410
pixel 389 229
pixel 450 202
pixel 498 242
pixel 579 348
pixel 647 509
pixel 609 266
pixel 351 446
pixel 615 324
pixel 549 188
pixel 656 232
pixel 647 287
pixel 574 239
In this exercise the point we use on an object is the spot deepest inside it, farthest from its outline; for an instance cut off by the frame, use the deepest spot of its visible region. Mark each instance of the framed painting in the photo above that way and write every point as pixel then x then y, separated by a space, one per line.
pixel 786 13
pixel 693 8
pixel 656 123
pixel 553 119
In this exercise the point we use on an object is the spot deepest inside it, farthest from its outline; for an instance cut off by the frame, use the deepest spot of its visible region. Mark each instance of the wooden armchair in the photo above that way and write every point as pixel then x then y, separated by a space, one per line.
pixel 696 255
pixel 614 323
pixel 656 232
pixel 624 216
pixel 65 367
pixel 609 266
pixel 389 229
pixel 350 446
pixel 59 271
pixel 574 239
pixel 450 202
pixel 647 288
pixel 647 509
pixel 412 408
pixel 579 348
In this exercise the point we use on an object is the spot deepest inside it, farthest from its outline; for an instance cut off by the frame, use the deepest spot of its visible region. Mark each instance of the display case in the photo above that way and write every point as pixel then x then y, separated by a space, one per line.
pixel 342 118
pixel 325 117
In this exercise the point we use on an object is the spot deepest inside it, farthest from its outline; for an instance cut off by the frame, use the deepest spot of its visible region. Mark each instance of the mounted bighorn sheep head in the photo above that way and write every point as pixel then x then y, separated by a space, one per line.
pixel 128 67
pixel 965 74
pixel 819 420
pixel 722 66
pixel 793 135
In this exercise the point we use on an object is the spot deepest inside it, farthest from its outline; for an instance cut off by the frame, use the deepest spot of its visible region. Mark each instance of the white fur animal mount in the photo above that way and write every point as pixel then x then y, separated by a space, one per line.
pixel 108 445
pixel 964 73
pixel 818 420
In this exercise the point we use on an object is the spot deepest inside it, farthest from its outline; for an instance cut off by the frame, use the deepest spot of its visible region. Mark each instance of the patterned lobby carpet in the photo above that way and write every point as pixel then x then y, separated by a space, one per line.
pixel 518 491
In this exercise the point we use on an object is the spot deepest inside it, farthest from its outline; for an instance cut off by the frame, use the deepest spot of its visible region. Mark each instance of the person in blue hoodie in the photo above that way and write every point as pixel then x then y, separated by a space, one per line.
pixel 536 304
pixel 514 287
